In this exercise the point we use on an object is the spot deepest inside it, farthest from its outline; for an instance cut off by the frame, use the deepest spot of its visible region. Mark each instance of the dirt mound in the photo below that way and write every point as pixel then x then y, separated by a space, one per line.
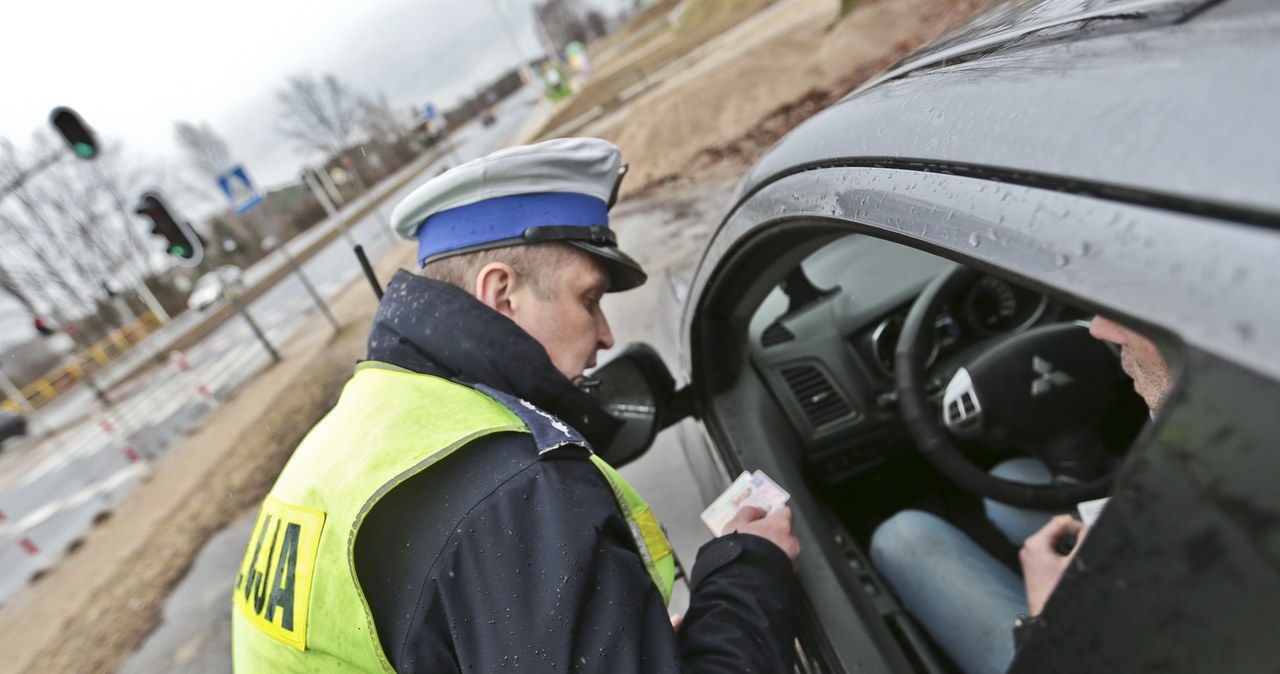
pixel 722 108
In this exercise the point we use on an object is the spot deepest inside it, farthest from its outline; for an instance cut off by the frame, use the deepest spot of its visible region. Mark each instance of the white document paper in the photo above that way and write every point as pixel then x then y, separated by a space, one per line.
pixel 749 489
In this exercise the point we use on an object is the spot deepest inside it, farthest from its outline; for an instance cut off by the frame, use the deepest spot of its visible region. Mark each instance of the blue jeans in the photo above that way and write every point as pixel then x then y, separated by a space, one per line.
pixel 963 597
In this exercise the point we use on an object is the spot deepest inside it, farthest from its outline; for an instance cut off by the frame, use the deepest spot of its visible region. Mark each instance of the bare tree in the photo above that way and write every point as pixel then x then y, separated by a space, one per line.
pixel 596 25
pixel 119 184
pixel 11 285
pixel 69 231
pixel 380 121
pixel 205 149
pixel 319 113
pixel 209 154
pixel 561 22
pixel 29 276
pixel 12 281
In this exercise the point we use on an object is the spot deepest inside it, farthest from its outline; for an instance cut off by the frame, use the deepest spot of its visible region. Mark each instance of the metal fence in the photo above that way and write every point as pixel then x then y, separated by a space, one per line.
pixel 92 359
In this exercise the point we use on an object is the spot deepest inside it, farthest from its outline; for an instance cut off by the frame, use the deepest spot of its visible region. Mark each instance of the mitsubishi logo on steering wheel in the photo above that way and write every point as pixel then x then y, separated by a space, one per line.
pixel 1048 376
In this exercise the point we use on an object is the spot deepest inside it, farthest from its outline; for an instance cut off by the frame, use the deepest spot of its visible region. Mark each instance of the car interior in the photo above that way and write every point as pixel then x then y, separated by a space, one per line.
pixel 802 352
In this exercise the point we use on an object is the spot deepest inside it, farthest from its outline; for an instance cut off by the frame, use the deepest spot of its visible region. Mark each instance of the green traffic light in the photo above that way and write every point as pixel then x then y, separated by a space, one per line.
pixel 180 251
pixel 73 130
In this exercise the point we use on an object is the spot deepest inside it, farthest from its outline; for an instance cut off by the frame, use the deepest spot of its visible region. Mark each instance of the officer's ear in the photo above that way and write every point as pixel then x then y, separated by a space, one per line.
pixel 496 282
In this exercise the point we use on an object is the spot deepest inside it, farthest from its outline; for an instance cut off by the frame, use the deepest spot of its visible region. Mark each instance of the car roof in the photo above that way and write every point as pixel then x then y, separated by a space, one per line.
pixel 1006 21
pixel 1172 103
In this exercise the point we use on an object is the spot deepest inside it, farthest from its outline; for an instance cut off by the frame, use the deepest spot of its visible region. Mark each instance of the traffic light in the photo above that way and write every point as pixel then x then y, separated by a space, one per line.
pixel 77 134
pixel 182 241
pixel 42 326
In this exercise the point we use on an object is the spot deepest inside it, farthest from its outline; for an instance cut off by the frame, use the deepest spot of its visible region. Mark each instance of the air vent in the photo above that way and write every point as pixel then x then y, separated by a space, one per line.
pixel 818 398
pixel 775 334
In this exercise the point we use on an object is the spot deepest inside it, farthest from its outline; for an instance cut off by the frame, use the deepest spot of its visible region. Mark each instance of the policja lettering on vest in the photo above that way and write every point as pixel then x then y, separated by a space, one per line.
pixel 273 588
pixel 445 515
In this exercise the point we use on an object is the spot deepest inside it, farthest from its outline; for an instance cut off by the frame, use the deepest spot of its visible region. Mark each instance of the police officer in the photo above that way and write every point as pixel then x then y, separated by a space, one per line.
pixel 449 515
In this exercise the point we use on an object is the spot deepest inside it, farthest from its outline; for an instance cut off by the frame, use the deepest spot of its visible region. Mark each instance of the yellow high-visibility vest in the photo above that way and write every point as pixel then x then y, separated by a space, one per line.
pixel 298 605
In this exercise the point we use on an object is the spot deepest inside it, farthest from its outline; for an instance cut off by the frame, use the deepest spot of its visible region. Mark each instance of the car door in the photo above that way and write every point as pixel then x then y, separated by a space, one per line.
pixel 1097 252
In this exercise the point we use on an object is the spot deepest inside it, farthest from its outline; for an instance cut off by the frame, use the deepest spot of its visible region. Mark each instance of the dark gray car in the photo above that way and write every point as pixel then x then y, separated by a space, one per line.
pixel 970 210
pixel 11 426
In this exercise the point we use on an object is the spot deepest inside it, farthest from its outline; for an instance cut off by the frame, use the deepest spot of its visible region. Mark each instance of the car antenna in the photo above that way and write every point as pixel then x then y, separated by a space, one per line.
pixel 368 270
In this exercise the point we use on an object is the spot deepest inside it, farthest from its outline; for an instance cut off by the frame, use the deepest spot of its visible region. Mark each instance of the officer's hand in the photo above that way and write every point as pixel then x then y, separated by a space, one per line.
pixel 775 528
pixel 1043 564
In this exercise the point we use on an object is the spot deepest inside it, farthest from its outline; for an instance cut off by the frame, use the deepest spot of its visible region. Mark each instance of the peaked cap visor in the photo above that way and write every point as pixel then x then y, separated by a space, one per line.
pixel 624 272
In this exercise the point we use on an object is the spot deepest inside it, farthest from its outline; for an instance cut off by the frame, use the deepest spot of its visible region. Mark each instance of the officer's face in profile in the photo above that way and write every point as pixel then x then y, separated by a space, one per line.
pixel 569 322
pixel 1140 359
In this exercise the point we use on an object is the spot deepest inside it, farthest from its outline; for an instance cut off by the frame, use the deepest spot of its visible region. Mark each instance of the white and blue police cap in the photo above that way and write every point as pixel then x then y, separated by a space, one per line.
pixel 557 190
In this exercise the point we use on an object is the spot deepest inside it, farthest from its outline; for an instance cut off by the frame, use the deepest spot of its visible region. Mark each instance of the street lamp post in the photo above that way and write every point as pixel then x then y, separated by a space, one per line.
pixel 511 38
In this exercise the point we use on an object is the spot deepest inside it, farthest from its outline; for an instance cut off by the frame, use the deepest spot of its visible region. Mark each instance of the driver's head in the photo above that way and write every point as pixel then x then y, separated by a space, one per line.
pixel 1140 359
pixel 526 231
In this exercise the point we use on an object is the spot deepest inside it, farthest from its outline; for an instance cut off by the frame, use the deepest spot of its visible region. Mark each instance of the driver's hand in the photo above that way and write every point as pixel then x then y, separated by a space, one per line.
pixel 1042 564
pixel 775 528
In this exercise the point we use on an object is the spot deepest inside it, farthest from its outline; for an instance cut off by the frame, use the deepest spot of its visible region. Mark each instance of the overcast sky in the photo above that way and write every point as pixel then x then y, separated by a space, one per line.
pixel 132 68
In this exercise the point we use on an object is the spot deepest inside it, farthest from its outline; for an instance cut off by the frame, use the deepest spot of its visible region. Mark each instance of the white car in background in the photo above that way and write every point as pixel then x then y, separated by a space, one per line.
pixel 213 286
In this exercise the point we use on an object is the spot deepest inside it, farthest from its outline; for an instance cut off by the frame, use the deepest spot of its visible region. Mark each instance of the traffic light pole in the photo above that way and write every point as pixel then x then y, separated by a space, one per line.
pixel 86 376
pixel 150 300
pixel 26 174
pixel 12 391
pixel 306 283
pixel 293 266
pixel 327 203
pixel 330 187
pixel 257 331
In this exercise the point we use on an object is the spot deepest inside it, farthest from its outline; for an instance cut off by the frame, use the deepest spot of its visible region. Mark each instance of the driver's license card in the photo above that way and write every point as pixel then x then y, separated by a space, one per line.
pixel 1090 510
pixel 750 489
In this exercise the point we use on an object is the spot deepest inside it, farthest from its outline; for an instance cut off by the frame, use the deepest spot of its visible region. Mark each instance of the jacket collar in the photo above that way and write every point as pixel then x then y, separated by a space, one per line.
pixel 436 328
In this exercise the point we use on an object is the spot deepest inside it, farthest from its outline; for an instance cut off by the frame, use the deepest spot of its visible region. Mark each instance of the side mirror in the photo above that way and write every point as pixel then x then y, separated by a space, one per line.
pixel 636 388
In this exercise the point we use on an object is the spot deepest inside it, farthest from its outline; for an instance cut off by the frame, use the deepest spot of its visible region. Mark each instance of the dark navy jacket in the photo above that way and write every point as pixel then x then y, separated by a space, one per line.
pixel 498 557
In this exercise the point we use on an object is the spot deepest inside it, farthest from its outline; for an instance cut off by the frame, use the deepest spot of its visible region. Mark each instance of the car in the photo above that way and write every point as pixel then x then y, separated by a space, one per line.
pixel 12 425
pixel 213 286
pixel 968 212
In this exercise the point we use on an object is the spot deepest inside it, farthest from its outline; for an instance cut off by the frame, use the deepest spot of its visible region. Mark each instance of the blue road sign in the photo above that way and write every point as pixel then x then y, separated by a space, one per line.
pixel 235 183
pixel 430 112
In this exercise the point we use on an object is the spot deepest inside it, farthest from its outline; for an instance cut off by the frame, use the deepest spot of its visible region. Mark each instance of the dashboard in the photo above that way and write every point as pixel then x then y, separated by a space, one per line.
pixel 990 307
pixel 824 338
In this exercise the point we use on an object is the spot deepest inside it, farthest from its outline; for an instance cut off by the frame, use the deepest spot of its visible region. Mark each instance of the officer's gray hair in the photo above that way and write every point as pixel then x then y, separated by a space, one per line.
pixel 539 264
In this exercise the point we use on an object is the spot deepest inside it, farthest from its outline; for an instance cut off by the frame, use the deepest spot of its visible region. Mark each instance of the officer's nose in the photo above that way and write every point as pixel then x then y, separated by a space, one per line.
pixel 603 333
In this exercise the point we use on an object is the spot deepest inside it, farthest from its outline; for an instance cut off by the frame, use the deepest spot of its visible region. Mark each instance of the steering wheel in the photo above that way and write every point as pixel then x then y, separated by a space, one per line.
pixel 1043 390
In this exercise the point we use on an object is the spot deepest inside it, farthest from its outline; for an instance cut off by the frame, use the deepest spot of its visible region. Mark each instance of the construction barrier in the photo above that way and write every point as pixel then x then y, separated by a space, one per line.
pixel 90 360
pixel 180 360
